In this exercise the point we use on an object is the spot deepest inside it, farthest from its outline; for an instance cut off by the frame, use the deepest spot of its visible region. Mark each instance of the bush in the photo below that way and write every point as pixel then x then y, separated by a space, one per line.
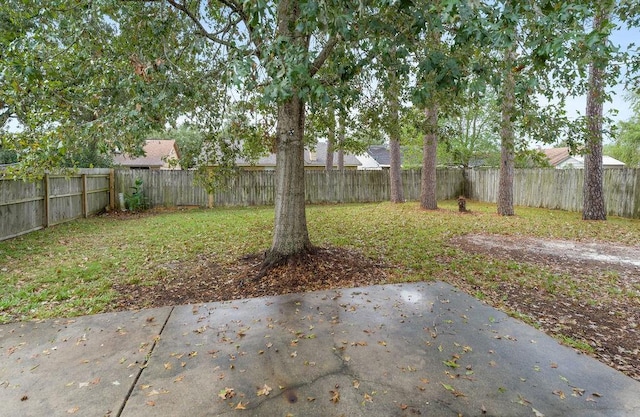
pixel 136 200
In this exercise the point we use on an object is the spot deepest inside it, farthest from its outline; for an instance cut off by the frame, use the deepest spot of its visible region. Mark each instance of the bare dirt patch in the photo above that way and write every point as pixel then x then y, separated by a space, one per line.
pixel 590 291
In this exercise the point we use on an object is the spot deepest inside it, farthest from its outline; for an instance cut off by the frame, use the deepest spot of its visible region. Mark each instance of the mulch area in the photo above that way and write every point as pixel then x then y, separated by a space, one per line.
pixel 205 280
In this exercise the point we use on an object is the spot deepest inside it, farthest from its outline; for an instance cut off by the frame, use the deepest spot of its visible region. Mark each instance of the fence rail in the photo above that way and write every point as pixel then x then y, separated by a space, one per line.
pixel 29 206
pixel 55 199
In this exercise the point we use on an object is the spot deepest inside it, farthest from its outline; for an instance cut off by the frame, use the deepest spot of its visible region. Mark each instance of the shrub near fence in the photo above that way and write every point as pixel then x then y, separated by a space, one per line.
pixel 560 188
pixel 248 188
pixel 56 198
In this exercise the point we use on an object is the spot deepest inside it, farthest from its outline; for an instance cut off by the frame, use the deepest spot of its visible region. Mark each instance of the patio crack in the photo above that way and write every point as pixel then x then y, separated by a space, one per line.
pixel 147 357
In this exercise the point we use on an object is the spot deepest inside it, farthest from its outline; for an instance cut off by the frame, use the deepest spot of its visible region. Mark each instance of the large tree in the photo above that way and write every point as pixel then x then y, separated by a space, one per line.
pixel 593 194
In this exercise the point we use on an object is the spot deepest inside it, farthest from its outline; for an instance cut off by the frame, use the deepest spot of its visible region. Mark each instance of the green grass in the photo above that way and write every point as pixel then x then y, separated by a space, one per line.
pixel 69 269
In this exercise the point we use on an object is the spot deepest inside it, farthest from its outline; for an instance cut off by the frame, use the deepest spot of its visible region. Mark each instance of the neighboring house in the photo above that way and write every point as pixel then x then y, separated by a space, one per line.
pixel 158 154
pixel 313 160
pixel 377 157
pixel 560 158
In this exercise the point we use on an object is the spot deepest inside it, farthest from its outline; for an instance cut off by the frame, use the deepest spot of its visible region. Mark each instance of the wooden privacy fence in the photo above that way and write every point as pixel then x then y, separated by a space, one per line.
pixel 179 188
pixel 56 198
pixel 28 206
pixel 559 188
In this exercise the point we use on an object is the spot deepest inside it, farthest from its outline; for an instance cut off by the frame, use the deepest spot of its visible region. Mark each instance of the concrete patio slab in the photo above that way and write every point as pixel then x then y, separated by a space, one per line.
pixel 395 350
pixel 82 367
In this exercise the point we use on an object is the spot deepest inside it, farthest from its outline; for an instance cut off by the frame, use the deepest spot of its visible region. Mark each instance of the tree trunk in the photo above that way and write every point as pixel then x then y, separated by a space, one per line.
pixel 328 166
pixel 507 141
pixel 290 236
pixel 593 196
pixel 341 132
pixel 395 170
pixel 428 185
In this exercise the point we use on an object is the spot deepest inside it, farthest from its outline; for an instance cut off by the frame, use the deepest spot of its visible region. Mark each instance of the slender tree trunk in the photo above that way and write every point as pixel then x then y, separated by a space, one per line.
pixel 428 185
pixel 507 141
pixel 328 166
pixel 395 172
pixel 593 195
pixel 341 132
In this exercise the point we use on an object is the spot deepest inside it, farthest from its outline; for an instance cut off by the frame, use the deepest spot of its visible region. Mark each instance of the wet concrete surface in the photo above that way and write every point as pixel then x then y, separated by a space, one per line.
pixel 394 350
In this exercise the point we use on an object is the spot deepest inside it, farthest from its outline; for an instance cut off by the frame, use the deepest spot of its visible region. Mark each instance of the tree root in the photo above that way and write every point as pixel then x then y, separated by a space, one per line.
pixel 273 259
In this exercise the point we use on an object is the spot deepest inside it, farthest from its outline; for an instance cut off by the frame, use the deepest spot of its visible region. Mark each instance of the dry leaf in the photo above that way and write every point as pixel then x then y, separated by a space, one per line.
pixel 226 393
pixel 335 396
pixel 560 394
pixel 265 390
pixel 241 406
pixel 73 410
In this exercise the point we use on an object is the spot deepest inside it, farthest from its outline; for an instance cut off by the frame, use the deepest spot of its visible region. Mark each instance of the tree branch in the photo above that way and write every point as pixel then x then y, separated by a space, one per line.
pixel 183 8
pixel 324 54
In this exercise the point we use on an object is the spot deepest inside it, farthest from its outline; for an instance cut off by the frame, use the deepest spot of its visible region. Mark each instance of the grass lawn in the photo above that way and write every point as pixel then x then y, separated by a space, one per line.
pixel 69 269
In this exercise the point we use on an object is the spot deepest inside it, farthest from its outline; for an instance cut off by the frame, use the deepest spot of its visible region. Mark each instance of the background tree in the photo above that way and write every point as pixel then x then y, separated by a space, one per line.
pixel 626 145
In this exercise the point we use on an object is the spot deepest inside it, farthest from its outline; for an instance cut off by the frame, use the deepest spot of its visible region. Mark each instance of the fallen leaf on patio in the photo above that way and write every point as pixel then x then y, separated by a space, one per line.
pixel 597 394
pixel 265 390
pixel 311 399
pixel 560 394
pixel 403 406
pixel 536 412
pixel 356 384
pixel 554 365
pixel 226 393
pixel 241 406
pixel 179 378
pixel 451 363
pixel 73 410
pixel 168 366
pixel 382 343
pixel 368 398
pixel 453 390
pixel 151 403
pixel 335 396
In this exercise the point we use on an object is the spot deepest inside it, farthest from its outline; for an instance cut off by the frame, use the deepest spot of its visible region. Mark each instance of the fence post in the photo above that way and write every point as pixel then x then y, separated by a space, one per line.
pixel 85 202
pixel 45 201
pixel 112 189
